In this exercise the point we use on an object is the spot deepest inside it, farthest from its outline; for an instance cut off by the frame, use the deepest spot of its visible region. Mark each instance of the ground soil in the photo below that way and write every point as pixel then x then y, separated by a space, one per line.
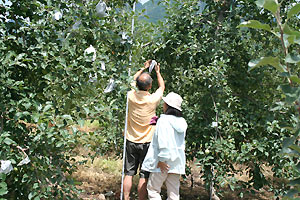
pixel 98 183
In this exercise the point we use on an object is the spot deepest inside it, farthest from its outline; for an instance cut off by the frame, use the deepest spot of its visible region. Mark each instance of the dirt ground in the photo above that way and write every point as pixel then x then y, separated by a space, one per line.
pixel 102 180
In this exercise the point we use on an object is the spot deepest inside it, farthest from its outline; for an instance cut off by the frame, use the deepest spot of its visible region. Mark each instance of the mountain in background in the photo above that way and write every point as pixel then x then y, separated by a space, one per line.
pixel 157 12
pixel 154 11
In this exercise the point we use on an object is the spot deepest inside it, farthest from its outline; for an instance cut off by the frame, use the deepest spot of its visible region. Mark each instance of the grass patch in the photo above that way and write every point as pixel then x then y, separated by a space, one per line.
pixel 99 176
pixel 92 125
pixel 109 166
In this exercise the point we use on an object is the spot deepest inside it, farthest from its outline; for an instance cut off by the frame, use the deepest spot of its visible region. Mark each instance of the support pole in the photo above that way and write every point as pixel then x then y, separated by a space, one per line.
pixel 212 195
pixel 124 148
pixel 125 130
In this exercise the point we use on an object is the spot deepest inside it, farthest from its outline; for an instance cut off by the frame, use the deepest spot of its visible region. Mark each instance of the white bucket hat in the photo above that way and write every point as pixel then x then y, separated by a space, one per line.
pixel 174 100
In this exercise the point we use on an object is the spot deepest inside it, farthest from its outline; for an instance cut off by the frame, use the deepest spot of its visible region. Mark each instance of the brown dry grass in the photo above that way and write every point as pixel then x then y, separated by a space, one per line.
pixel 102 176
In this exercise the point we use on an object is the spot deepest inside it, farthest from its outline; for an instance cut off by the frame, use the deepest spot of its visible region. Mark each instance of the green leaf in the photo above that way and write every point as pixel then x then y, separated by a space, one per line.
pixel 59 144
pixel 87 110
pixel 31 195
pixel 291 39
pixel 274 61
pixel 295 79
pixel 289 31
pixel 261 149
pixel 290 58
pixel 47 107
pixel 3 191
pixel 11 37
pixel 27 105
pixel 8 141
pixel 20 56
pixel 35 117
pixel 255 24
pixel 81 122
pixel 288 142
pixel 292 93
pixel 289 152
pixel 295 147
pixel 271 5
pixel 67 117
pixel 296 133
pixel 3 188
pixel 293 11
pixel 35 186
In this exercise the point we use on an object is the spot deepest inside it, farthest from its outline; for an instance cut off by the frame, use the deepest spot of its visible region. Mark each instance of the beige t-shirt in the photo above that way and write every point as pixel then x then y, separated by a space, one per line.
pixel 141 108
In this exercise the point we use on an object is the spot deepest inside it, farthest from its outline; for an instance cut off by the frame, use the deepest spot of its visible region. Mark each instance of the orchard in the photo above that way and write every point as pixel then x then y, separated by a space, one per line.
pixel 234 62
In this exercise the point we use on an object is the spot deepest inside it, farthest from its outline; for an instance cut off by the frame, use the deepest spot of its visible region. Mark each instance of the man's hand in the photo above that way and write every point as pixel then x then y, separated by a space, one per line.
pixel 164 167
pixel 141 70
pixel 147 64
pixel 157 68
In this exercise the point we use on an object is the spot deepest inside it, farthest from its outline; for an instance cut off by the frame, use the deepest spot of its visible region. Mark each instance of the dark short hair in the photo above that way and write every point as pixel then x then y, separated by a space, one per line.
pixel 143 85
pixel 173 111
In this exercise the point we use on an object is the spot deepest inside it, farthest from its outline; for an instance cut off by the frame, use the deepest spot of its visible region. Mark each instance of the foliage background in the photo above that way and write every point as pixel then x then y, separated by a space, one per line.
pixel 50 87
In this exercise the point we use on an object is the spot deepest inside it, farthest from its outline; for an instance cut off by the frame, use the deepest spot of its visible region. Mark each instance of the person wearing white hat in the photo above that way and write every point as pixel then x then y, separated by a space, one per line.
pixel 165 159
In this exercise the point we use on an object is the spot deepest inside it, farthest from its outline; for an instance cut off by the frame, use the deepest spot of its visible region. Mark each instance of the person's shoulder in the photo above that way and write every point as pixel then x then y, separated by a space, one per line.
pixel 156 97
pixel 131 95
pixel 174 119
pixel 158 92
pixel 184 121
pixel 164 117
pixel 131 92
pixel 181 119
pixel 163 120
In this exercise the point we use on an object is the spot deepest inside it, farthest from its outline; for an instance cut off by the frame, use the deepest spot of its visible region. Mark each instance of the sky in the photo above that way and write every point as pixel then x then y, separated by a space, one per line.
pixel 143 1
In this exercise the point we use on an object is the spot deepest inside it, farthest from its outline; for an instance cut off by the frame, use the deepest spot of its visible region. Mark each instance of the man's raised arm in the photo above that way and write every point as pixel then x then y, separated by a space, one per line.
pixel 160 80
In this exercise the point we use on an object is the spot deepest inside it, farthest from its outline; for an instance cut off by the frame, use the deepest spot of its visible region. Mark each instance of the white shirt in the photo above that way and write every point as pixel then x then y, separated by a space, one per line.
pixel 167 145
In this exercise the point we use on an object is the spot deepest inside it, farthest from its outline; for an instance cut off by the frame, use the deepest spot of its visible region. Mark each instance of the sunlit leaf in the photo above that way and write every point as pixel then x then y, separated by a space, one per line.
pixel 296 148
pixel 273 61
pixel 8 141
pixel 81 122
pixel 293 11
pixel 295 79
pixel 67 117
pixel 3 188
pixel 291 58
pixel 289 31
pixel 292 39
pixel 271 5
pixel 292 93
pixel 255 24
pixel 47 107
pixel 35 117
